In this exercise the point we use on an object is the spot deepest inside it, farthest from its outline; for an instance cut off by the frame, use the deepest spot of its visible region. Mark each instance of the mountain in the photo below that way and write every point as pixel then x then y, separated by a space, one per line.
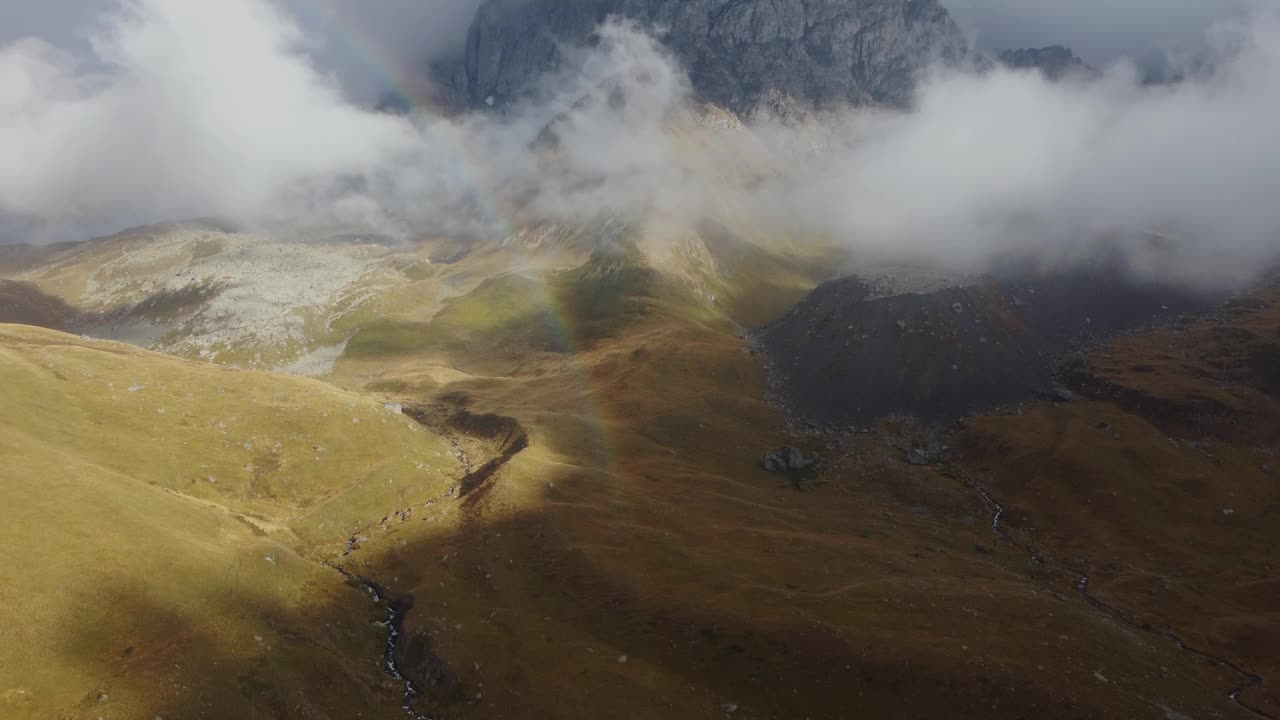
pixel 740 54
pixel 526 476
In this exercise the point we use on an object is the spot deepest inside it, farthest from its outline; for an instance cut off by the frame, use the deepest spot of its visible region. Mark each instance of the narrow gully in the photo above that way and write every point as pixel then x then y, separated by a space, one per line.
pixel 1250 679
pixel 396 610
pixel 473 486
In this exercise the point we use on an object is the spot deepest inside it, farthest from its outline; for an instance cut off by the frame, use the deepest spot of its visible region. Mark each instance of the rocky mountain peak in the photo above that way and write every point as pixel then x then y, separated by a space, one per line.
pixel 739 53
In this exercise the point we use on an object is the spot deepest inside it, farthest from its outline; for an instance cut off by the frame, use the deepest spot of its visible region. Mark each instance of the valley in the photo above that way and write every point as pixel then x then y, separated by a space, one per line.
pixel 570 520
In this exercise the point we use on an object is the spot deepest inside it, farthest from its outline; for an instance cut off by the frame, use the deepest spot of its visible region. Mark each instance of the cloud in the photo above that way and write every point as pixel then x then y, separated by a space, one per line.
pixel 1009 163
pixel 372 45
pixel 173 121
pixel 167 124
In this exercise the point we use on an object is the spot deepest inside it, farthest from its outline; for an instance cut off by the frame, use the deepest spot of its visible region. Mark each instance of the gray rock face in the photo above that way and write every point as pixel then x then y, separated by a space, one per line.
pixel 742 54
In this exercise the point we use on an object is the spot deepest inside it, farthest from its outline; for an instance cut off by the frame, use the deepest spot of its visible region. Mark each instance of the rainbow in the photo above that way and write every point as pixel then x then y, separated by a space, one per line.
pixel 412 86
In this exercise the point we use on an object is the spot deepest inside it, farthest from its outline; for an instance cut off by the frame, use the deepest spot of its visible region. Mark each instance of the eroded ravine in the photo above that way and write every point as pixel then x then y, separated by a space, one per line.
pixel 468 434
pixel 500 437
pixel 1249 680
pixel 397 608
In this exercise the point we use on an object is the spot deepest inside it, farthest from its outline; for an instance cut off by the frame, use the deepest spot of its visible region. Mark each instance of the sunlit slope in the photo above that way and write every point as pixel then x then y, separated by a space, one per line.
pixel 158 512
pixel 259 301
pixel 290 300
pixel 707 276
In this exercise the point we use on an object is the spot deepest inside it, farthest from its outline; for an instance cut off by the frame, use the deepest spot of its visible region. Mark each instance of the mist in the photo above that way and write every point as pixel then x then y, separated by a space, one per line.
pixel 990 165
pixel 164 123
pixel 368 46
pixel 374 46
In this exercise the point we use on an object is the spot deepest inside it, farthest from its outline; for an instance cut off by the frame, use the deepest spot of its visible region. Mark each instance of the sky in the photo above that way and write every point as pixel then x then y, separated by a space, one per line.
pixel 1100 31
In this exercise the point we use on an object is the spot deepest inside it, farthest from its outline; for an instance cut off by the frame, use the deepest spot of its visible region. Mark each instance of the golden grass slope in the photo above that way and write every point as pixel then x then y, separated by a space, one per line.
pixel 157 513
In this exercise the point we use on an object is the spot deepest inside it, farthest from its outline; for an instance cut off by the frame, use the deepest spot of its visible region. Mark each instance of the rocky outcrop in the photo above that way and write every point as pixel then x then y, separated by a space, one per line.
pixel 1055 61
pixel 786 459
pixel 740 54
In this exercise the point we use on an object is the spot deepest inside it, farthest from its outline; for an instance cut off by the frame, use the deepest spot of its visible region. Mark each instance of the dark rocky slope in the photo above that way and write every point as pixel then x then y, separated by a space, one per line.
pixel 844 356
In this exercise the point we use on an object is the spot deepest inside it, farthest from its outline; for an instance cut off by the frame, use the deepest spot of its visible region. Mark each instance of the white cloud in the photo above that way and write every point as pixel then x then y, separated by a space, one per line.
pixel 175 121
pixel 1008 162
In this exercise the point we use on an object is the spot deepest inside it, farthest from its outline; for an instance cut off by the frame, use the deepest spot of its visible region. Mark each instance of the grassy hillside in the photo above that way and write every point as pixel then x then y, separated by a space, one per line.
pixel 636 557
pixel 164 519
pixel 240 300
pixel 614 549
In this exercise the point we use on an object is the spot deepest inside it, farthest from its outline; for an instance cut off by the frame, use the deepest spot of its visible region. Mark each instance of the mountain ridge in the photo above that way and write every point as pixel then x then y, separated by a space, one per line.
pixel 738 52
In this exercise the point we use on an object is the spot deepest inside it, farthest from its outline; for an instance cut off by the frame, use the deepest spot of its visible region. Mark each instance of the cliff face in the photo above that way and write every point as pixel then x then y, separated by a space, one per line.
pixel 739 53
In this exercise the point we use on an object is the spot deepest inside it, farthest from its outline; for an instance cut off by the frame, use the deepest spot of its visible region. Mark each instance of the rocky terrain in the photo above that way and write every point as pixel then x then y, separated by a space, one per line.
pixel 853 351
pixel 240 299
pixel 749 56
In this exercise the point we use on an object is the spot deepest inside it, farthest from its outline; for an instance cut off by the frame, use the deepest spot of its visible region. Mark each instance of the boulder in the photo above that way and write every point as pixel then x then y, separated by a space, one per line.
pixel 786 459
pixel 918 457
pixel 795 459
pixel 772 462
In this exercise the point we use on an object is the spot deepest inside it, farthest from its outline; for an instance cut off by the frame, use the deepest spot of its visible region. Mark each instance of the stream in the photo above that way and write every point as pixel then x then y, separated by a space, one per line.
pixel 472 488
pixel 396 610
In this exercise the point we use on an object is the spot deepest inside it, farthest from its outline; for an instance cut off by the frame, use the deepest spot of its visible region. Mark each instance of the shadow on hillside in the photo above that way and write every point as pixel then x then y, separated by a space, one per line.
pixel 643 596
pixel 321 661
pixel 22 303
pixel 573 612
